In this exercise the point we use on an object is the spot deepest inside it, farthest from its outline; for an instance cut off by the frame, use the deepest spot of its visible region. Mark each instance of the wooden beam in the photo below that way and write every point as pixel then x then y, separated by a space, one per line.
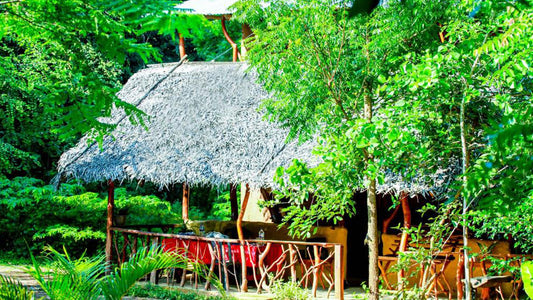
pixel 244 286
pixel 109 225
pixel 233 201
pixel 386 222
pixel 185 202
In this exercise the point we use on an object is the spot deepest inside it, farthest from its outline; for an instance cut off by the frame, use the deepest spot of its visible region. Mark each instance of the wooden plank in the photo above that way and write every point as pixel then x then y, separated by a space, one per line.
pixel 339 273
pixel 109 226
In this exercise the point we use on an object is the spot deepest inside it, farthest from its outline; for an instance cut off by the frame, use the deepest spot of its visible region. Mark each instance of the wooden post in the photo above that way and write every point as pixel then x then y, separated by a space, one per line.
pixel 460 276
pixel 404 200
pixel 109 224
pixel 246 33
pixel 185 202
pixel 233 201
pixel 292 257
pixel 153 274
pixel 244 287
pixel 315 269
pixel 182 47
pixel 339 273
pixel 230 41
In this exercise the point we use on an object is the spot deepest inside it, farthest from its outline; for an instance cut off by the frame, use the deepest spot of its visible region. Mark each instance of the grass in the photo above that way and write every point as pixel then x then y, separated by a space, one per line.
pixel 158 292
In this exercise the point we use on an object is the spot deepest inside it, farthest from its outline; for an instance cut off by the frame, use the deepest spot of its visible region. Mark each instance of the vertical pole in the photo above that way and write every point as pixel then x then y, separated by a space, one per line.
pixel 153 274
pixel 233 201
pixel 246 33
pixel 244 286
pixel 292 257
pixel 109 224
pixel 315 269
pixel 182 46
pixel 185 202
pixel 339 273
pixel 230 41
pixel 406 224
pixel 464 147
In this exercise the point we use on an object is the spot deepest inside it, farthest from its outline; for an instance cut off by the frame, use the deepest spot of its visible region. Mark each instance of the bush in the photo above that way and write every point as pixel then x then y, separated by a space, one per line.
pixel 288 291
pixel 35 214
pixel 158 292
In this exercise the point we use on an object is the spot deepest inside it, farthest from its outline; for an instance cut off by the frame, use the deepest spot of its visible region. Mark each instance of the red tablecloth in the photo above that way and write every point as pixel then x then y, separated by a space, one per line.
pixel 198 251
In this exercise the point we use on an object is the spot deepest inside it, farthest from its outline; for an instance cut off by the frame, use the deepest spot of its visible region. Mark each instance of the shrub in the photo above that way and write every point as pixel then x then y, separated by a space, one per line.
pixel 288 291
pixel 36 214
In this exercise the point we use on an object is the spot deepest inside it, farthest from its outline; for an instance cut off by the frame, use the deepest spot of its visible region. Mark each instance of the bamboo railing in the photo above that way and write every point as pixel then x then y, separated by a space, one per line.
pixel 317 265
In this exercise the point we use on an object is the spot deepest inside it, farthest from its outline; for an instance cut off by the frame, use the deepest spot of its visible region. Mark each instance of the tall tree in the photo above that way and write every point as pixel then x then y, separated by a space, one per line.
pixel 61 63
pixel 330 75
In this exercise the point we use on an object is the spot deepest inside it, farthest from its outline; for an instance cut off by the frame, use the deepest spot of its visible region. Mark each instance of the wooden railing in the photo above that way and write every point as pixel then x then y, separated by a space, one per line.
pixel 316 265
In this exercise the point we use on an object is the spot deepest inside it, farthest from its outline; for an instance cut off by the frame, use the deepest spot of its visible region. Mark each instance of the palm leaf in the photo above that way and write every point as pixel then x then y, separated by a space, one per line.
pixel 78 279
pixel 146 260
pixel 14 290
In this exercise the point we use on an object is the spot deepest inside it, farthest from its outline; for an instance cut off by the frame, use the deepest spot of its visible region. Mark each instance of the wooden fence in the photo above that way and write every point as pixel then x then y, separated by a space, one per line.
pixel 238 264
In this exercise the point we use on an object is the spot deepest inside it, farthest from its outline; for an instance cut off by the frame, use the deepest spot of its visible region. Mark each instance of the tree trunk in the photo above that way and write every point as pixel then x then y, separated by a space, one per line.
pixel 468 292
pixel 372 235
pixel 373 241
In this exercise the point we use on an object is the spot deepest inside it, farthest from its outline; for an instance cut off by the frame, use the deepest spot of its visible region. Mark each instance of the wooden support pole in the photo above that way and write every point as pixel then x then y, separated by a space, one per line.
pixel 185 202
pixel 460 276
pixel 230 41
pixel 233 201
pixel 386 222
pixel 339 273
pixel 182 47
pixel 315 269
pixel 404 200
pixel 109 224
pixel 244 287
pixel 292 257
pixel 246 34
pixel 153 274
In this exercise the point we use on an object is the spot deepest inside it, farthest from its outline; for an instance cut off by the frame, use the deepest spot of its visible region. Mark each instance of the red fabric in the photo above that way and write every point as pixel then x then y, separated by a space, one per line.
pixel 199 251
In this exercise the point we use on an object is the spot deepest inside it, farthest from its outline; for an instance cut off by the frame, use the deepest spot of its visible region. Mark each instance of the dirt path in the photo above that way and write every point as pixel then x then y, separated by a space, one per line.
pixel 20 275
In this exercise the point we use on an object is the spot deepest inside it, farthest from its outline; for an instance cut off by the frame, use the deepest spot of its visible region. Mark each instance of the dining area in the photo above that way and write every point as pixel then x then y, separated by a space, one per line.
pixel 253 264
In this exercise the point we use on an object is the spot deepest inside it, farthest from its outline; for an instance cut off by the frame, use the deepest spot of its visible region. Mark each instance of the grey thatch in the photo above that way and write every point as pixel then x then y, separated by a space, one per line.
pixel 204 127
pixel 207 7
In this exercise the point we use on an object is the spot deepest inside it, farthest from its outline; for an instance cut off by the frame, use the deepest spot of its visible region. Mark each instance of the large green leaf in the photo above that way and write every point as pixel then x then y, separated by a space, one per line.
pixel 527 277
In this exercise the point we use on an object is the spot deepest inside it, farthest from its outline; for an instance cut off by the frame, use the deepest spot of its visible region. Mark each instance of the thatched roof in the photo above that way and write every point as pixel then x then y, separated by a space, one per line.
pixel 204 127
pixel 207 7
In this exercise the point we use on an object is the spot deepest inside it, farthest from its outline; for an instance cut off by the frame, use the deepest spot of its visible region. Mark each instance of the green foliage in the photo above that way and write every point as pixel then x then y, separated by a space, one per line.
pixel 338 63
pixel 288 291
pixel 159 292
pixel 527 277
pixel 84 278
pixel 36 214
pixel 61 64
pixel 14 290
